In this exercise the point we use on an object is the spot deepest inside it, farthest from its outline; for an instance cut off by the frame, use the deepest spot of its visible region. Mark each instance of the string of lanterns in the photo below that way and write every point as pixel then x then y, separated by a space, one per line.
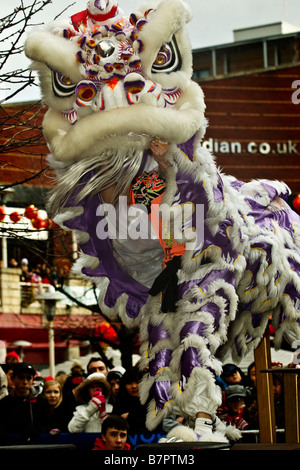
pixel 31 213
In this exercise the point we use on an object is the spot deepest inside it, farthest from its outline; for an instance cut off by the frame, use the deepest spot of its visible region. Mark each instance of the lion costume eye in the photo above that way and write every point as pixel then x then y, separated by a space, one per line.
pixel 63 87
pixel 168 58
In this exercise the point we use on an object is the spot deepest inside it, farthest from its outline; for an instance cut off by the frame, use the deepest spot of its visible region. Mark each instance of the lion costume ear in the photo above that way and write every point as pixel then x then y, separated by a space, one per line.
pixel 59 53
pixel 54 58
pixel 165 33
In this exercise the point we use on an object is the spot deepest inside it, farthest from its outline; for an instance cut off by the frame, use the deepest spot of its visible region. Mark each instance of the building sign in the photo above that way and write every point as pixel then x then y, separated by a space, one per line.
pixel 254 124
pixel 253 148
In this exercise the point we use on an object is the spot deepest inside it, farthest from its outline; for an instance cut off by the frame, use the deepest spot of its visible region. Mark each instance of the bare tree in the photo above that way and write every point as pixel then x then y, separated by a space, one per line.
pixel 20 126
pixel 23 149
pixel 12 29
pixel 22 142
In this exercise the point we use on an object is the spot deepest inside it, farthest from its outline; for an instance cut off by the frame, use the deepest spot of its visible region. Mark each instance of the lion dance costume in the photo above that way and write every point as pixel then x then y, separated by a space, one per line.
pixel 113 84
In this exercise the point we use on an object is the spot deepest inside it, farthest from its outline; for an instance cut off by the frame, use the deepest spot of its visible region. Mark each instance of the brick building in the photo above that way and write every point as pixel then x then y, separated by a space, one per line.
pixel 252 103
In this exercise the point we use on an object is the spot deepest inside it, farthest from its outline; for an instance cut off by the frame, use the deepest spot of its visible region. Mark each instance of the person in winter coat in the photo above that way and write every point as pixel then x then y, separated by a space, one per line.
pixel 128 404
pixel 23 411
pixel 233 410
pixel 114 434
pixel 232 375
pixel 114 377
pixel 93 393
pixel 58 417
pixel 6 371
pixel 6 383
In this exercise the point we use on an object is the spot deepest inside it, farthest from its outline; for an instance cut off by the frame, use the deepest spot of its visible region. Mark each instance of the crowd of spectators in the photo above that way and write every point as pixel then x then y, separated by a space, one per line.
pixel 106 402
pixel 77 402
pixel 34 276
pixel 240 406
pixel 41 272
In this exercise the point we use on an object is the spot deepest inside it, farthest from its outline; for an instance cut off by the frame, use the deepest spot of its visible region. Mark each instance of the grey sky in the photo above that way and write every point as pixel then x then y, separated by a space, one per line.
pixel 214 20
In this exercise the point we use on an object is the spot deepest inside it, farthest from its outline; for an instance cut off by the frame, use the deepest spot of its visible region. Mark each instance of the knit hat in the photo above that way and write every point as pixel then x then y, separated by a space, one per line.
pixel 116 372
pixel 76 364
pixel 132 374
pixel 235 391
pixel 82 391
pixel 229 369
pixel 13 354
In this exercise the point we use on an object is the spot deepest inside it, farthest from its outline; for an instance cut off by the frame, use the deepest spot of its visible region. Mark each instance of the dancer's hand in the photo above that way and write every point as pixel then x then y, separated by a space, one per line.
pixel 159 150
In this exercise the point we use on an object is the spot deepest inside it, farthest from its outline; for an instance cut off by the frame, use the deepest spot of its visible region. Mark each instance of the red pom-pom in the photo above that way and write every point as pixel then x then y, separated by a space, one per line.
pixel 31 212
pixel 2 214
pixel 296 203
pixel 15 217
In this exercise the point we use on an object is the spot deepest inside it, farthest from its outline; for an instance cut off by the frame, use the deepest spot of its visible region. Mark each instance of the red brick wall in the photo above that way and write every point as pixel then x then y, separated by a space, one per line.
pixel 23 149
pixel 254 127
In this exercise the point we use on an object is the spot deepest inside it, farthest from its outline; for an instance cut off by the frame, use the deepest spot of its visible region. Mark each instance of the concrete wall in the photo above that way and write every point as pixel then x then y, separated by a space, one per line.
pixel 18 297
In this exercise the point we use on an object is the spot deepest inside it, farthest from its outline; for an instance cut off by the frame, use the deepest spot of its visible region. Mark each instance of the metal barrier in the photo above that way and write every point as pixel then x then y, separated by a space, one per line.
pixel 78 441
pixel 255 434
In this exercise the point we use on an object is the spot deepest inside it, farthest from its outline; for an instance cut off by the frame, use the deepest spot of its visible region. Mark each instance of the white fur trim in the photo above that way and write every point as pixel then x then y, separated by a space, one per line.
pixel 66 141
pixel 168 19
pixel 180 433
pixel 57 52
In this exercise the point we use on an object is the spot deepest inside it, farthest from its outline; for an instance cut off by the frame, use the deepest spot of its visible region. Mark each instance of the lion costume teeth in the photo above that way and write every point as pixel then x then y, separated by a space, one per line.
pixel 113 84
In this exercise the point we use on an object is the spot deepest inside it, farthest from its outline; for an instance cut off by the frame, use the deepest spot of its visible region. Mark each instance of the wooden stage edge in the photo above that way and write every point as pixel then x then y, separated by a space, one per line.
pixel 196 447
pixel 266 447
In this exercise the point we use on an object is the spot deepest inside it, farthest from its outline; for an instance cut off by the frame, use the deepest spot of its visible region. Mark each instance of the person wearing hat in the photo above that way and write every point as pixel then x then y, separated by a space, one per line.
pixel 114 377
pixel 73 380
pixel 128 403
pixel 12 357
pixel 5 373
pixel 93 394
pixel 23 411
pixel 232 412
pixel 232 374
pixel 6 383
pixel 25 274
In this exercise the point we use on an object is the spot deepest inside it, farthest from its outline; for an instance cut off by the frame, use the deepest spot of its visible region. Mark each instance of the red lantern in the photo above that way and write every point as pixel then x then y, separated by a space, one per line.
pixel 106 332
pixel 37 223
pixel 44 223
pixel 31 212
pixel 15 217
pixel 2 214
pixel 296 203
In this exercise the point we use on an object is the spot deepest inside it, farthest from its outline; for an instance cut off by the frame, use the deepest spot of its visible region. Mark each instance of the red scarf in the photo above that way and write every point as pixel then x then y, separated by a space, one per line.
pixel 83 16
